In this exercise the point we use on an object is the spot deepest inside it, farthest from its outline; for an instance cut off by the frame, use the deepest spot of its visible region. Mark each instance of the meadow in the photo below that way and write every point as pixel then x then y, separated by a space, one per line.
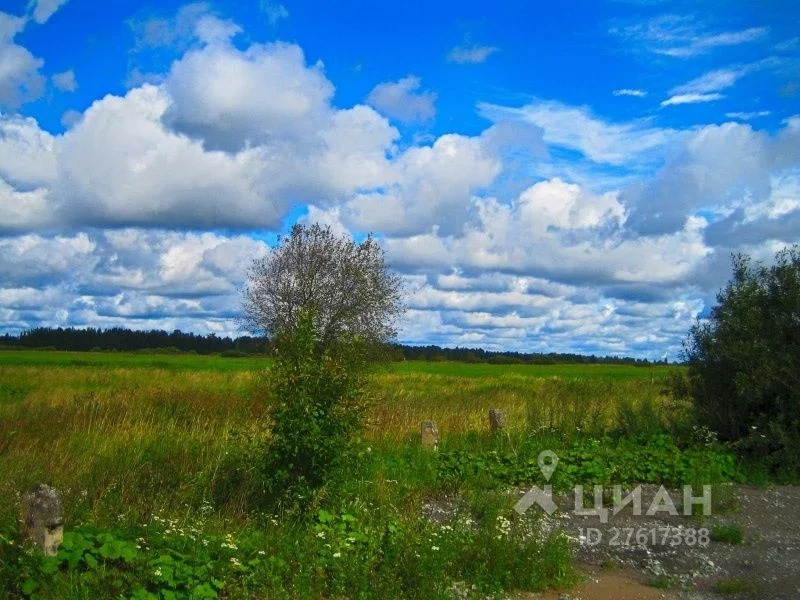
pixel 158 461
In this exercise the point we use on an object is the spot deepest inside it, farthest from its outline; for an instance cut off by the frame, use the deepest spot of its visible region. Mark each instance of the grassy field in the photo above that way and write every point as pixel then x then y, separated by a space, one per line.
pixel 195 362
pixel 136 440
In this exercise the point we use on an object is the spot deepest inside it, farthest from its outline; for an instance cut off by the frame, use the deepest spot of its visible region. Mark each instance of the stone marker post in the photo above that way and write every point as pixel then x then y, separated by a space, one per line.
pixel 497 419
pixel 42 518
pixel 430 434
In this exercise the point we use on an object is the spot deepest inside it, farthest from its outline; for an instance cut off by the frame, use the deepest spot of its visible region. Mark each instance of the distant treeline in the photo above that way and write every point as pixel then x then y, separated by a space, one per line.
pixel 127 340
pixel 477 355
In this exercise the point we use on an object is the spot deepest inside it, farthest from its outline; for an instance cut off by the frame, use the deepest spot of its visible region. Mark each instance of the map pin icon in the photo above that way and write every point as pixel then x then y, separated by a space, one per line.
pixel 547 463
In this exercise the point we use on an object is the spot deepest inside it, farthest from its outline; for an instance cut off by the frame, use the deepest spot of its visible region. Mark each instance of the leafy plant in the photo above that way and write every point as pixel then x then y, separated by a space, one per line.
pixel 588 461
pixel 728 534
pixel 745 360
pixel 318 406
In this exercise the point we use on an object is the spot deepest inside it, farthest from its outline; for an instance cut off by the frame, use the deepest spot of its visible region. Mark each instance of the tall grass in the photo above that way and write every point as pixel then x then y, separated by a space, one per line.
pixel 154 446
pixel 134 439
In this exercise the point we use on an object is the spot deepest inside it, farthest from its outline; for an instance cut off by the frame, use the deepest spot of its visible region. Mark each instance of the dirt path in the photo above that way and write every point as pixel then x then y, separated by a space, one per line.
pixel 765 565
pixel 600 585
pixel 756 556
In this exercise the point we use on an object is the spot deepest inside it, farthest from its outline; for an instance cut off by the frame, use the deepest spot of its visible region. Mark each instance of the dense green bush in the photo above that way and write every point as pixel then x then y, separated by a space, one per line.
pixel 635 459
pixel 317 409
pixel 744 361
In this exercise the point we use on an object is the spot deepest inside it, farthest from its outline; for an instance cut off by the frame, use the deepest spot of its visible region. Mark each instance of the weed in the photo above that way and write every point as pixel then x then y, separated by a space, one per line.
pixel 734 586
pixel 727 534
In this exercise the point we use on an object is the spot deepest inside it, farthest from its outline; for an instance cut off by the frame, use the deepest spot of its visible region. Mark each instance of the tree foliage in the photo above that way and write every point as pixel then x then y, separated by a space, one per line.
pixel 327 302
pixel 744 361
pixel 119 338
pixel 345 285
pixel 122 339
pixel 317 408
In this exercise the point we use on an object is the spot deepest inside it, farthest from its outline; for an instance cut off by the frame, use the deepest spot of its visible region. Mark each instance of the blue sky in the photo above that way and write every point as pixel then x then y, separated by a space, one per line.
pixel 566 176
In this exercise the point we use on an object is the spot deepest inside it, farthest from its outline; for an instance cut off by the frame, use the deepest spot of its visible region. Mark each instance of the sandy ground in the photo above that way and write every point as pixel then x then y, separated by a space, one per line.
pixel 766 566
pixel 601 585
pixel 640 557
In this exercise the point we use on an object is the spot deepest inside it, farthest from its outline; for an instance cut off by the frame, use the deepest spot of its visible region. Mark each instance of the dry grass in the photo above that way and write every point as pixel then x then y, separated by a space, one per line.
pixel 139 438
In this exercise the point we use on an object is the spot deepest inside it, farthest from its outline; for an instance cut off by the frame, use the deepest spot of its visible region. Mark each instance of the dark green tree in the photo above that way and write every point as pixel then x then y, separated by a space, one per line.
pixel 744 361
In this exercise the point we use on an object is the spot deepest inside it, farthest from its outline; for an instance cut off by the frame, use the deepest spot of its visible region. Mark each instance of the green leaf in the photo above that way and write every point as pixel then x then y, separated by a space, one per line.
pixel 50 565
pixel 29 587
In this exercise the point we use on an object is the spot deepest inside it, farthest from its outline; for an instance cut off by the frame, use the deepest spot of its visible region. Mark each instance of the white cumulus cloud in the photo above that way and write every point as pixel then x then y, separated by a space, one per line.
pixel 403 100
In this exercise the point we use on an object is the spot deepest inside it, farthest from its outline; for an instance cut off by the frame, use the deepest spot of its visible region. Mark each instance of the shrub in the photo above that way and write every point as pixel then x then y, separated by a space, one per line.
pixel 728 534
pixel 317 409
pixel 744 361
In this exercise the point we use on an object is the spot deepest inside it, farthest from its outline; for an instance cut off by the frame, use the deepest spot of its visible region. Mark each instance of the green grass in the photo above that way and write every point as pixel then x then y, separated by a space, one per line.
pixel 734 586
pixel 571 371
pixel 173 362
pixel 727 534
pixel 133 439
pixel 155 431
pixel 195 362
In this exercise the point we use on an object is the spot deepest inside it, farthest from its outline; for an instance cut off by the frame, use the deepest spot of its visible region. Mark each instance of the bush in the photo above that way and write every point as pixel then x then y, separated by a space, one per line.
pixel 745 360
pixel 728 534
pixel 317 410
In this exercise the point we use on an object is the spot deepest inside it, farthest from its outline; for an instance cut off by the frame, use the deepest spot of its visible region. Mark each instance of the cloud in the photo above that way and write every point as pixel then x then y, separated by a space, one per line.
pixel 706 87
pixel 70 117
pixel 150 174
pixel 557 231
pixel 65 81
pixel 433 187
pixel 576 128
pixel 554 229
pixel 275 11
pixel 719 168
pixel 691 99
pixel 682 36
pixel 706 43
pixel 197 152
pixel 748 116
pixel 177 32
pixel 713 81
pixel 551 271
pixel 20 80
pixel 470 54
pixel 636 93
pixel 231 98
pixel 774 218
pixel 788 45
pixel 27 158
pixel 44 9
pixel 403 100
pixel 121 277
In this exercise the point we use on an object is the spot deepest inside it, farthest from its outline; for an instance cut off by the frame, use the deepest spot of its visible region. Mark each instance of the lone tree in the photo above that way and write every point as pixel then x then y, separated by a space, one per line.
pixel 744 361
pixel 345 286
pixel 327 302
